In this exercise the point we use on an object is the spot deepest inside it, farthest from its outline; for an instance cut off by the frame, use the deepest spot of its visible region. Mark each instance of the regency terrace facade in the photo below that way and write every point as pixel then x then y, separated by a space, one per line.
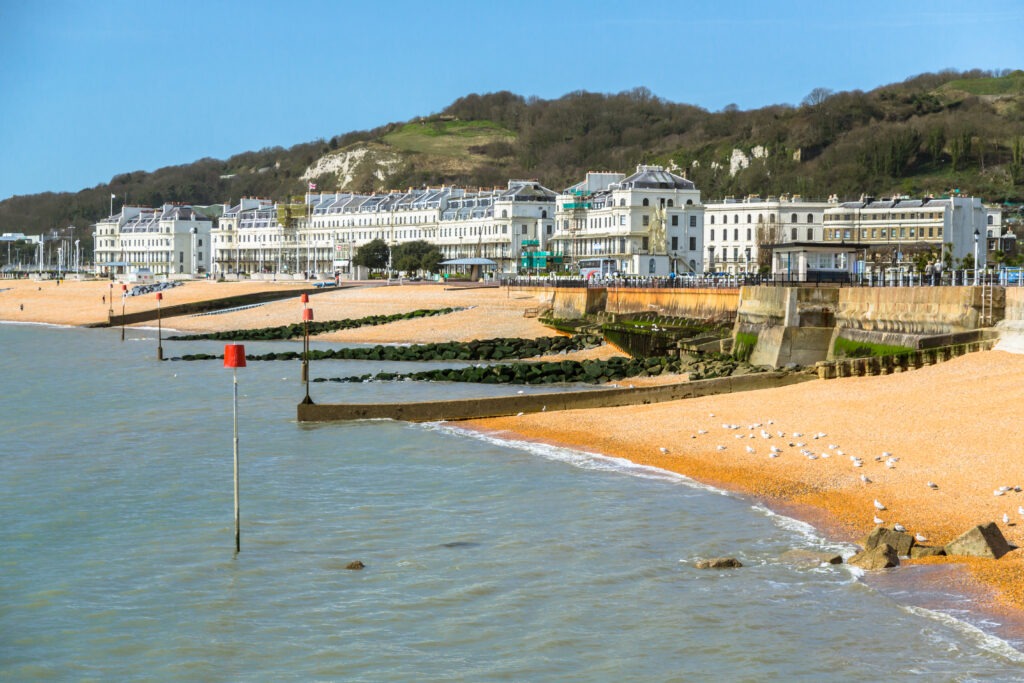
pixel 652 222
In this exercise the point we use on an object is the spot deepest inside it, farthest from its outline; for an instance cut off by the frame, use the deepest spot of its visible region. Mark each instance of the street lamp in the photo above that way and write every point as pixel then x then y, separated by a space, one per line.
pixel 976 235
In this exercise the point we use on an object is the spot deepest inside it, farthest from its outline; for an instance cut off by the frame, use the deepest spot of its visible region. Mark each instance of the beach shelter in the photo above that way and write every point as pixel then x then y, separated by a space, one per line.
pixel 476 265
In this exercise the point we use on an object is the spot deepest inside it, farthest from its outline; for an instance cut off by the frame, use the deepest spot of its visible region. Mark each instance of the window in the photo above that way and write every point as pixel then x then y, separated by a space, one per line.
pixel 810 234
pixel 736 234
pixel 792 218
pixel 504 213
pixel 712 219
pixel 200 244
pixel 675 243
pixel 646 202
pixel 181 257
pixel 670 203
pixel 647 219
pixel 693 221
pixel 810 218
pixel 622 220
pixel 749 237
pixel 675 220
pixel 749 218
pixel 622 201
pixel 652 266
pixel 689 202
pixel 990 220
pixel 771 218
pixel 549 229
pixel 793 235
pixel 712 235
pixel 693 244
pixel 543 214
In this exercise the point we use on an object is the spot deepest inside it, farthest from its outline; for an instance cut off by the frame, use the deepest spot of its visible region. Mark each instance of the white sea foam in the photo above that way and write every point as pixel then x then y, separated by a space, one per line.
pixel 582 459
pixel 985 641
pixel 29 323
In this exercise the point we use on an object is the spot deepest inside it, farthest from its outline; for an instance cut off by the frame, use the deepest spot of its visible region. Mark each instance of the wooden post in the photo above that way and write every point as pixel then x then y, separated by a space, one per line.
pixel 159 329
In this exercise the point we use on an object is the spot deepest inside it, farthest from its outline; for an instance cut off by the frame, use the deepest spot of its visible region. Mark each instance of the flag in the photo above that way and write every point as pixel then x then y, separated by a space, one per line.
pixel 113 196
pixel 312 186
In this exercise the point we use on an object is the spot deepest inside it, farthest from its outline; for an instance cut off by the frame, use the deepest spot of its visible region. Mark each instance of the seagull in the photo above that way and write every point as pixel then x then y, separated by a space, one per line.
pixel 890 464
pixel 711 414
pixel 543 409
pixel 520 392
pixel 702 431
pixel 519 414
pixel 886 454
pixel 932 485
pixel 832 446
pixel 864 478
pixel 879 506
pixel 765 435
pixel 800 444
pixel 750 449
pixel 1006 519
pixel 781 434
pixel 920 538
pixel 899 527
pixel 1020 510
pixel 775 449
pixel 879 520
pixel 720 448
pixel 839 452
pixel 773 454
pixel 663 449
pixel 798 434
pixel 858 463
pixel 812 456
pixel 998 492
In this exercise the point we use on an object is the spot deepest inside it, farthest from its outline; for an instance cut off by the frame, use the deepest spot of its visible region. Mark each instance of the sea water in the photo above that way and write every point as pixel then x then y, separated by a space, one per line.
pixel 485 560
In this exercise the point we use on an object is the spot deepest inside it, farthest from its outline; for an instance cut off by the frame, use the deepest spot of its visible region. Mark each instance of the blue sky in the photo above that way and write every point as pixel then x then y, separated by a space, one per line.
pixel 92 88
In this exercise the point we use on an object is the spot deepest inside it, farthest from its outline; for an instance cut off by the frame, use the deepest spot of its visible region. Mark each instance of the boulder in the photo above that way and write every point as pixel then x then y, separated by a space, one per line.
pixel 902 542
pixel 925 551
pixel 719 563
pixel 984 540
pixel 355 564
pixel 882 556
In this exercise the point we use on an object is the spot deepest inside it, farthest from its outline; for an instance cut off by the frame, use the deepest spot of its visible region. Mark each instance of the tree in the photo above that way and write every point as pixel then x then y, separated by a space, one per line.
pixel 816 97
pixel 372 255
pixel 416 256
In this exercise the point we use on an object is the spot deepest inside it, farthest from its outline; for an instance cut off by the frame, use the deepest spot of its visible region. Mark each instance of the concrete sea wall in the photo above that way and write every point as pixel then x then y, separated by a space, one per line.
pixel 466 409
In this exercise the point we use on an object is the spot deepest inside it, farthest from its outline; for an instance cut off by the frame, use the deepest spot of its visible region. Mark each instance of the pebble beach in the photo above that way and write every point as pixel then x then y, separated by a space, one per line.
pixel 953 425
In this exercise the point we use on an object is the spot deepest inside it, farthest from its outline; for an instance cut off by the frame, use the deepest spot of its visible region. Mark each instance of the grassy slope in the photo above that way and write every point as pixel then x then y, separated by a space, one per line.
pixel 447 138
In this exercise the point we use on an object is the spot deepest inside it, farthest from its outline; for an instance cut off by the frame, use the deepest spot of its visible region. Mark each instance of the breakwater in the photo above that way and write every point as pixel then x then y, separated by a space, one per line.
pixel 205 306
pixel 296 330
pixel 465 409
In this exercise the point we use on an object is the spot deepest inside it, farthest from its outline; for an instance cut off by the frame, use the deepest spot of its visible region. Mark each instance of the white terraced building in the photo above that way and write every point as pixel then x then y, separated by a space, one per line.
pixel 650 223
pixel 894 229
pixel 171 240
pixel 497 224
pixel 736 229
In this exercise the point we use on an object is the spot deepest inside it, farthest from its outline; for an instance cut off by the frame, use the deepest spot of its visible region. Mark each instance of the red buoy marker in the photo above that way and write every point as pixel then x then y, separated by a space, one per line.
pixel 234 358
pixel 307 317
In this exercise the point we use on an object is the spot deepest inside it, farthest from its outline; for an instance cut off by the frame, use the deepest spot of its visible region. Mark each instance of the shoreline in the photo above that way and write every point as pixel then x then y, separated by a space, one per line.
pixel 953 423
pixel 827 492
pixel 988 613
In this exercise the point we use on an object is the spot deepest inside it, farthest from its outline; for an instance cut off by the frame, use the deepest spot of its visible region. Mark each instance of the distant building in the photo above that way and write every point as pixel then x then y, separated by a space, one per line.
pixel 735 230
pixel 894 230
pixel 170 240
pixel 649 223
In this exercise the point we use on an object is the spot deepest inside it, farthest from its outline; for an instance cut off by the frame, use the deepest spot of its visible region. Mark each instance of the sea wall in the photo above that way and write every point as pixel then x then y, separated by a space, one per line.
pixel 699 304
pixel 921 311
pixel 465 409
pixel 1011 328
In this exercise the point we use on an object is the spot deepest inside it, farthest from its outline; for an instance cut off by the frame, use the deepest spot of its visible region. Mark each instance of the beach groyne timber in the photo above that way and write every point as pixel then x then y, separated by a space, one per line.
pixel 467 409
pixel 207 306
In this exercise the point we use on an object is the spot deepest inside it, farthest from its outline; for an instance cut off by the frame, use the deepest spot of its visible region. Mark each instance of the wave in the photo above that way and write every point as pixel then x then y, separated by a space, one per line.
pixel 983 640
pixel 38 324
pixel 583 459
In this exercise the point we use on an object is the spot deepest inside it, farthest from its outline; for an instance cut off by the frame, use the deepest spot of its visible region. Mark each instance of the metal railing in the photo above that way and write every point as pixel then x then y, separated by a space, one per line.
pixel 1008 277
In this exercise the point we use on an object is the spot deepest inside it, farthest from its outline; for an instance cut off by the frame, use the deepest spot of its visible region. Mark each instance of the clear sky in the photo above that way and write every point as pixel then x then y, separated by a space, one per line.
pixel 93 88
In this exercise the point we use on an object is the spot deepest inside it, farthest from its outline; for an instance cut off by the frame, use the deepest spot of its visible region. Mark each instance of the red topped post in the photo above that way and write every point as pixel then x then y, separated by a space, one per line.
pixel 234 358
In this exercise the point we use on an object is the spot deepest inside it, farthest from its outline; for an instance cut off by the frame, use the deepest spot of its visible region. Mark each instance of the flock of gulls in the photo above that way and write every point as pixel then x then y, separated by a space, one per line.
pixel 797 440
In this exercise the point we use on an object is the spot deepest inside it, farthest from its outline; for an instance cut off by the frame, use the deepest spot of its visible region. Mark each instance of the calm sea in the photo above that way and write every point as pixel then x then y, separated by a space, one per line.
pixel 485 560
